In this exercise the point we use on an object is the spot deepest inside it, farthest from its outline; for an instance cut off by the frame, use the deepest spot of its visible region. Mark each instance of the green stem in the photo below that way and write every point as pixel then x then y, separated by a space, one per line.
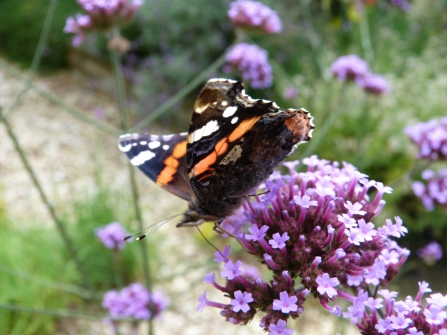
pixel 68 288
pixel 363 129
pixel 365 37
pixel 314 39
pixel 325 127
pixel 57 221
pixel 181 94
pixel 53 312
pixel 55 100
pixel 121 95
pixel 37 55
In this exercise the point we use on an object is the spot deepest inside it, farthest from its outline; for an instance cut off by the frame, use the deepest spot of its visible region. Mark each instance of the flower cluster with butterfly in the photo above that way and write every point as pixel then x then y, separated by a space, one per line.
pixel 313 231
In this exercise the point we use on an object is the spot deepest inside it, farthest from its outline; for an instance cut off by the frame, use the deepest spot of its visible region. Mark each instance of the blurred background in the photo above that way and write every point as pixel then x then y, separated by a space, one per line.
pixel 62 120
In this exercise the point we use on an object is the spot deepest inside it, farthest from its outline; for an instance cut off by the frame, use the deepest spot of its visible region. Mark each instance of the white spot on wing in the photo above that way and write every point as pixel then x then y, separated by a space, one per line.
pixel 143 142
pixel 206 130
pixel 229 111
pixel 165 147
pixel 142 157
pixel 154 144
pixel 199 110
pixel 234 120
pixel 124 148
pixel 224 103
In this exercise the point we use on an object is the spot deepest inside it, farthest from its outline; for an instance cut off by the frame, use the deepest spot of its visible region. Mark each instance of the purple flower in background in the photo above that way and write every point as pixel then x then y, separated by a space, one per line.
pixel 253 14
pixel 375 84
pixel 430 137
pixel 134 301
pixel 403 4
pixel 252 63
pixel 350 67
pixel 433 191
pixel 431 253
pixel 100 15
pixel 331 246
pixel 290 93
pixel 112 235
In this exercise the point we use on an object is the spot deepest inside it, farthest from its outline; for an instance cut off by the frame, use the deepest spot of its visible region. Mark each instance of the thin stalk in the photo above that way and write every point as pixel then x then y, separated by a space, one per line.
pixel 53 312
pixel 121 95
pixel 68 288
pixel 37 55
pixel 314 40
pixel 365 37
pixel 362 131
pixel 325 127
pixel 59 224
pixel 180 95
pixel 55 100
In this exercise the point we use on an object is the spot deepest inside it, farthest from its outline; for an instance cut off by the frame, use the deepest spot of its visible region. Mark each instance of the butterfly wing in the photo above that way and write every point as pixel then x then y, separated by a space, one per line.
pixel 260 149
pixel 223 113
pixel 161 158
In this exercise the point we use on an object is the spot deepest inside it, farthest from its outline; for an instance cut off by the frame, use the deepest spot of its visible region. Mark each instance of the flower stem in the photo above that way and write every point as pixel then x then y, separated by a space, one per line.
pixel 181 94
pixel 365 37
pixel 122 104
pixel 37 56
pixel 58 102
pixel 59 224
pixel 326 126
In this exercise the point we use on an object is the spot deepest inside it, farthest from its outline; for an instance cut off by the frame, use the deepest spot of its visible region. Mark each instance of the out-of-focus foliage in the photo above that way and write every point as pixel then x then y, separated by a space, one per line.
pixel 21 23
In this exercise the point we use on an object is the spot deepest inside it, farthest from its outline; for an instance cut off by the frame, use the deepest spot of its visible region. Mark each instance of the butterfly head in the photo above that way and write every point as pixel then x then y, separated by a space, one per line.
pixel 191 218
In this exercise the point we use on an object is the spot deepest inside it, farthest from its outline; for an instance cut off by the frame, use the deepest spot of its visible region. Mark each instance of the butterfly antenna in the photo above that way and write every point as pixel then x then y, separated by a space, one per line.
pixel 209 242
pixel 159 223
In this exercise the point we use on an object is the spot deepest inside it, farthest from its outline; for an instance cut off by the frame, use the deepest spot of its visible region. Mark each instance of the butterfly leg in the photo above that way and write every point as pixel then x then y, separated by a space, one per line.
pixel 245 195
pixel 219 229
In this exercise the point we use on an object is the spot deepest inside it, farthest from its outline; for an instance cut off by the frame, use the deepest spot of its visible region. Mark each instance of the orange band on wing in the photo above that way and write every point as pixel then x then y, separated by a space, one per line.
pixel 221 148
pixel 171 164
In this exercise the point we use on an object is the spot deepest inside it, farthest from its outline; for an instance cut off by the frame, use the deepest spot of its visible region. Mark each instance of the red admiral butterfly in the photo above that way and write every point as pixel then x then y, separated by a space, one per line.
pixel 233 144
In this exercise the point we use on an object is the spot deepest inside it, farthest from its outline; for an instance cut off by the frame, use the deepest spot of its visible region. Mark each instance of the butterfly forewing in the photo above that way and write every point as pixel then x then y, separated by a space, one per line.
pixel 161 158
pixel 223 113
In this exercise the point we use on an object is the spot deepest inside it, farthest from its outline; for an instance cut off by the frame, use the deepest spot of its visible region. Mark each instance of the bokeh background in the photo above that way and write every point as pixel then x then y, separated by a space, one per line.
pixel 62 108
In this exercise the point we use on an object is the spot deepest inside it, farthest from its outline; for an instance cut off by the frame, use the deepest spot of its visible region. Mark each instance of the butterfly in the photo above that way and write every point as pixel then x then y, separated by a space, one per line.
pixel 233 144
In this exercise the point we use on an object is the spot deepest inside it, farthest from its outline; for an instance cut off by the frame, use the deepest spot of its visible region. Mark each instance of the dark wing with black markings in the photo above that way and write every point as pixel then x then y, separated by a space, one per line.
pixel 223 113
pixel 161 158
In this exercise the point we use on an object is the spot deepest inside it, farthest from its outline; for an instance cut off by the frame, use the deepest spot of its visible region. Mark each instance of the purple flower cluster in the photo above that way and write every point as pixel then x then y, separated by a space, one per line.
pixel 431 253
pixel 352 67
pixel 100 15
pixel 112 235
pixel 389 316
pixel 430 137
pixel 313 227
pixel 434 190
pixel 290 93
pixel 134 301
pixel 403 4
pixel 252 63
pixel 253 14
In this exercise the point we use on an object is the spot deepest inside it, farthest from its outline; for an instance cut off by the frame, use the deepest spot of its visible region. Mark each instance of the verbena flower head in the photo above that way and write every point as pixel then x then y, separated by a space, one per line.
pixel 375 84
pixel 253 14
pixel 431 253
pixel 252 63
pixel 112 235
pixel 134 301
pixel 430 137
pixel 313 231
pixel 402 4
pixel 101 15
pixel 350 67
pixel 290 93
pixel 433 191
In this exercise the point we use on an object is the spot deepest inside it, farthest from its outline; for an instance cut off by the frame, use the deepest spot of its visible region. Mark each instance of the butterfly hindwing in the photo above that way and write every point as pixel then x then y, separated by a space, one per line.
pixel 161 158
pixel 255 155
